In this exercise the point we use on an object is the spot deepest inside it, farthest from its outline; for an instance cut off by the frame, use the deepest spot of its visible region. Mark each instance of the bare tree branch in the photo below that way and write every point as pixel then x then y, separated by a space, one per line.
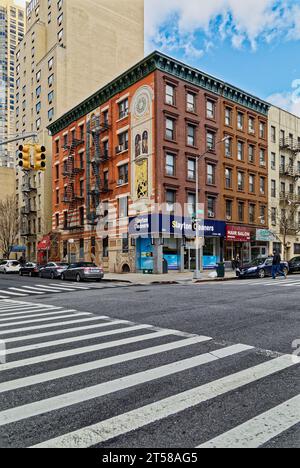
pixel 9 225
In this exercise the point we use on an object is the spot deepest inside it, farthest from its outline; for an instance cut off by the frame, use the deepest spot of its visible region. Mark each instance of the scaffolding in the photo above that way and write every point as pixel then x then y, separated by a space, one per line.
pixel 95 157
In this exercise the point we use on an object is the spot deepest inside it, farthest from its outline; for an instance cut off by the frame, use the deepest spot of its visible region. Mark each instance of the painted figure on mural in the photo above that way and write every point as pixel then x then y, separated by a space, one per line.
pixel 137 146
pixel 145 143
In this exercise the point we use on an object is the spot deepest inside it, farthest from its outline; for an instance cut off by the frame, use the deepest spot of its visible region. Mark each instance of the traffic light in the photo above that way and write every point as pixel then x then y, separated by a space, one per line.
pixel 39 158
pixel 24 157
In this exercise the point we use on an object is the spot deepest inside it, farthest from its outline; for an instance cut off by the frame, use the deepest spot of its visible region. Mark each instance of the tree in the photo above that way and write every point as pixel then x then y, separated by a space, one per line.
pixel 288 222
pixel 9 225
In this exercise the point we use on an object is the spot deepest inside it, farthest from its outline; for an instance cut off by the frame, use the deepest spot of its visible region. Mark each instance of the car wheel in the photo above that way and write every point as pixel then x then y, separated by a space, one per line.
pixel 78 278
pixel 262 274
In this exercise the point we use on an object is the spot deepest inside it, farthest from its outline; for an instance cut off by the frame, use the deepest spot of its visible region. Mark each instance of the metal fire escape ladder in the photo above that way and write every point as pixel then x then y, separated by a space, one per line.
pixel 71 198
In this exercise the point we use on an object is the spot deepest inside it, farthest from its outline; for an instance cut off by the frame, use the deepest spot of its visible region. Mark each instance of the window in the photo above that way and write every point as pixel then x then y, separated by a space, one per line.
pixel 251 125
pixel 192 169
pixel 105 118
pixel 262 214
pixel 251 213
pixel 228 178
pixel 123 109
pixel 105 247
pixel 240 121
pixel 251 154
pixel 50 80
pixel 274 216
pixel 170 164
pixel 57 172
pixel 252 183
pixel 192 204
pixel 60 35
pixel 228 210
pixel 282 137
pixel 262 157
pixel 81 216
pixel 262 129
pixel 123 174
pixel 228 148
pixel 241 181
pixel 273 134
pixel 123 142
pixel 210 141
pixel 123 207
pixel 273 188
pixel 51 114
pixel 57 196
pixel 262 185
pixel 125 243
pixel 170 95
pixel 211 207
pixel 210 174
pixel 273 161
pixel 170 200
pixel 241 211
pixel 297 250
pixel 170 129
pixel 191 102
pixel 240 154
pixel 228 116
pixel 191 135
pixel 50 97
pixel 81 188
pixel 210 109
pixel 57 220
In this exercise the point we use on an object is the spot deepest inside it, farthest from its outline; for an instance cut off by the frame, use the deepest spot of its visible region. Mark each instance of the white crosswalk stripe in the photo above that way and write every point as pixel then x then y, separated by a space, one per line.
pixel 54 288
pixel 94 347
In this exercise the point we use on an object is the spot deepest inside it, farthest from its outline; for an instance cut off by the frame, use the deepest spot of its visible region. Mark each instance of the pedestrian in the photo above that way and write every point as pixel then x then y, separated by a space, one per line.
pixel 237 265
pixel 276 267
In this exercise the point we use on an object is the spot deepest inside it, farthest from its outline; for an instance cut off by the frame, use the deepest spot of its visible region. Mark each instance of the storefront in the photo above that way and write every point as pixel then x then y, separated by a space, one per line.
pixel 43 250
pixel 238 243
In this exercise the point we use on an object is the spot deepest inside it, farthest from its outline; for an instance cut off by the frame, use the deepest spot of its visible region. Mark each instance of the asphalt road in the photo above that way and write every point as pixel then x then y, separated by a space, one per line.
pixel 155 367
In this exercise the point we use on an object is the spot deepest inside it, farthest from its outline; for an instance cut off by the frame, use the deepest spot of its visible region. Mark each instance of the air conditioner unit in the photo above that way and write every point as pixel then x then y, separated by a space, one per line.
pixel 120 182
pixel 262 221
pixel 119 149
pixel 211 214
pixel 228 218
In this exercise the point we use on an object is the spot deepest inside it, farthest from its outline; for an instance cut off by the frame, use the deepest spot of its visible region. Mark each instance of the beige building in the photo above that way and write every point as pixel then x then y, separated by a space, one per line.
pixel 7 182
pixel 72 47
pixel 11 33
pixel 284 181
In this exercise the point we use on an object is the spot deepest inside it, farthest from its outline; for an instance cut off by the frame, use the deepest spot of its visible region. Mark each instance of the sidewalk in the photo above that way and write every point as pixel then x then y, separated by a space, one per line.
pixel 171 278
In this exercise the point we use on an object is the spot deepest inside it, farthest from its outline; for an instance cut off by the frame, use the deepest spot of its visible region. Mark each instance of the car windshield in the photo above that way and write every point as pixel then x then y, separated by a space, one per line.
pixel 257 261
pixel 62 264
pixel 88 265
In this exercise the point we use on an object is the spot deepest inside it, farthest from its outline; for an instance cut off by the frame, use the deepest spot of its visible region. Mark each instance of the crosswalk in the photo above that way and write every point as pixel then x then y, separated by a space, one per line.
pixel 290 282
pixel 41 289
pixel 76 379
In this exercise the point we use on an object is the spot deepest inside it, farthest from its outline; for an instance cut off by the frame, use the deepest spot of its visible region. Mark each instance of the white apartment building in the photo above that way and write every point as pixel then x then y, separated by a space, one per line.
pixel 284 181
pixel 71 49
pixel 12 26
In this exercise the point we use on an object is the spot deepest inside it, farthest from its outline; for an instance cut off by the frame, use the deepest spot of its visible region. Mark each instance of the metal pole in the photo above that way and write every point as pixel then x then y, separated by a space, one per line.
pixel 197 274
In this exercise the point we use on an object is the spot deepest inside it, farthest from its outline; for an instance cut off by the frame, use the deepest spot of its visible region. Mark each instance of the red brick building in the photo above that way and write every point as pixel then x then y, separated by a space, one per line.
pixel 135 143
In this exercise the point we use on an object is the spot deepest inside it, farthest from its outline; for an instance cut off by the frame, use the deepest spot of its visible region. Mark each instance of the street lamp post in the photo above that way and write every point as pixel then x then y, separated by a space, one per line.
pixel 199 252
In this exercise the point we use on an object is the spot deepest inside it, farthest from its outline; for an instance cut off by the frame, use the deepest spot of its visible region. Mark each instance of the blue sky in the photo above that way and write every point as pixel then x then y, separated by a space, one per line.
pixel 254 44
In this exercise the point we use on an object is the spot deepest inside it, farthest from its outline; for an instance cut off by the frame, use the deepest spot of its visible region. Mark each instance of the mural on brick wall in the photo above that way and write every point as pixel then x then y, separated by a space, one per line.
pixel 141 131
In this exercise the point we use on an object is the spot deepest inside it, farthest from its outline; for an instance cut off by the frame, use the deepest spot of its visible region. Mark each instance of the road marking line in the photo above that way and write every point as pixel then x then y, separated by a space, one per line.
pixel 29 308
pixel 52 288
pixel 143 416
pixel 86 288
pixel 10 293
pixel 52 325
pixel 85 349
pixel 17 316
pixel 42 320
pixel 261 429
pixel 62 401
pixel 99 364
pixel 43 289
pixel 22 290
pixel 12 315
pixel 288 285
pixel 49 344
pixel 66 331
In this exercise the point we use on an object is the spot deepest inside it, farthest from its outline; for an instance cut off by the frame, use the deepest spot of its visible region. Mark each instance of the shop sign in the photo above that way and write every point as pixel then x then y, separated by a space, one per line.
pixel 265 235
pixel 214 228
pixel 238 234
pixel 159 224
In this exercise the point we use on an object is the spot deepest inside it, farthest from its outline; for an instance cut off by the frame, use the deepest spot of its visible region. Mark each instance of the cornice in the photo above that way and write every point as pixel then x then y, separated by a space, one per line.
pixel 163 63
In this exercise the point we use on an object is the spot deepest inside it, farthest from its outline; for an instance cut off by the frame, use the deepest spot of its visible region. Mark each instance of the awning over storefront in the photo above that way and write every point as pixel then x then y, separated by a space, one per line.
pixel 44 244
pixel 18 249
pixel 238 234
pixel 265 235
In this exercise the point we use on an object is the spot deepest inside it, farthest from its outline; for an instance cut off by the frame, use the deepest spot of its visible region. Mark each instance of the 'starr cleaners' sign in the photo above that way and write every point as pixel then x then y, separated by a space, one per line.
pixel 238 234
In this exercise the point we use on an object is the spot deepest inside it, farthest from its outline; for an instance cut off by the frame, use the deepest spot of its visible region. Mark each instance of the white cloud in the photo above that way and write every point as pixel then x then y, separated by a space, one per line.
pixel 242 21
pixel 288 100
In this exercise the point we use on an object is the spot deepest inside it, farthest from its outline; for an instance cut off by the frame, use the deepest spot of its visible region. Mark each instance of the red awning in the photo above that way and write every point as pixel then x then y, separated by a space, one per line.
pixel 44 244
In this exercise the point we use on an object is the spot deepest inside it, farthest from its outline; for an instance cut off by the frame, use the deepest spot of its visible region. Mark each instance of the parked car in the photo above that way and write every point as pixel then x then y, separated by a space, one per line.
pixel 30 269
pixel 53 270
pixel 83 271
pixel 294 265
pixel 260 268
pixel 9 266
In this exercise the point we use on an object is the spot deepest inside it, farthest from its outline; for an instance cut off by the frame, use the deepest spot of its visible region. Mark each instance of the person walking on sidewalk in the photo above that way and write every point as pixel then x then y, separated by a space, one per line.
pixel 276 268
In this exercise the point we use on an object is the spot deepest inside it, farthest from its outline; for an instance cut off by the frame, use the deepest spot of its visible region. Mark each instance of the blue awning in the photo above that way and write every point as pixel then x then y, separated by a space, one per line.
pixel 18 248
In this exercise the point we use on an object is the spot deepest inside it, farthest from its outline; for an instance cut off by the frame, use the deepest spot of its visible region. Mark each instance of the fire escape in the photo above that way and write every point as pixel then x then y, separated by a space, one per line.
pixel 96 185
pixel 74 221
pixel 28 211
pixel 291 170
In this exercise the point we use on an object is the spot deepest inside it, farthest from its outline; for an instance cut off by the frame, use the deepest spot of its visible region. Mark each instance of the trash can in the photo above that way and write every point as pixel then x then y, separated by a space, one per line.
pixel 221 270
pixel 165 267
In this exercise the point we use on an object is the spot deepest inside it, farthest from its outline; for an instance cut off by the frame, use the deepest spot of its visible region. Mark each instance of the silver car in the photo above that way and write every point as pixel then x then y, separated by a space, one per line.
pixel 83 271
